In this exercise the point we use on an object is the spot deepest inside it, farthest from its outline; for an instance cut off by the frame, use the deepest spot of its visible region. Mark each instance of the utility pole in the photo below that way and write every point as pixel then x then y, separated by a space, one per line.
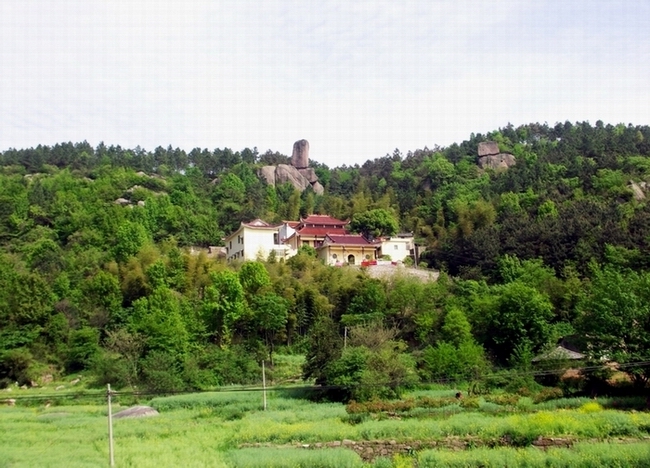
pixel 110 426
pixel 264 384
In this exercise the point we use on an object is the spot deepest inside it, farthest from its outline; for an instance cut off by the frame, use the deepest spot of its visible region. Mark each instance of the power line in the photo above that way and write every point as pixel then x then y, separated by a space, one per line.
pixel 257 388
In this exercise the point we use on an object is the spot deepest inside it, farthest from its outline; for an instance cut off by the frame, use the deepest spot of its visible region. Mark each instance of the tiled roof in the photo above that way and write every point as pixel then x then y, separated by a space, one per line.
pixel 258 223
pixel 560 352
pixel 319 231
pixel 322 220
pixel 348 239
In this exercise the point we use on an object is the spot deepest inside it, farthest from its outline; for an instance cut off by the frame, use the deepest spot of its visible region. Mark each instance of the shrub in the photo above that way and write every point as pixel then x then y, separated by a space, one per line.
pixel 229 366
pixel 161 373
pixel 513 381
pixel 16 366
pixel 427 402
pixel 591 407
pixel 109 368
pixel 83 348
pixel 355 418
pixel 469 403
pixel 547 394
pixel 458 363
pixel 503 399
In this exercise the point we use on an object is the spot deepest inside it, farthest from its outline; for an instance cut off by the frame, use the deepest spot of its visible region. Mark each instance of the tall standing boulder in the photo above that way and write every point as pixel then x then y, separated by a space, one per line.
pixel 300 155
pixel 488 148
pixel 489 157
pixel 298 174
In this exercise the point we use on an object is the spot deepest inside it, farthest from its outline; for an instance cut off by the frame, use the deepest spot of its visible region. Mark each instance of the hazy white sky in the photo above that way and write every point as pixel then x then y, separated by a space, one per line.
pixel 355 78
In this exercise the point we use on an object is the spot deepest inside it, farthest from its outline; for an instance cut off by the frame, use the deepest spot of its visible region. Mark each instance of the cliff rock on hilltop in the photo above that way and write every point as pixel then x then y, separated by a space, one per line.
pixel 298 174
pixel 489 156
pixel 300 155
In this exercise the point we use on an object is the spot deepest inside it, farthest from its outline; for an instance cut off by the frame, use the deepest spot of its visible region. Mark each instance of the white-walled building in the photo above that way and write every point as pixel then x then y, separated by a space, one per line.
pixel 257 239
pixel 254 240
pixel 397 248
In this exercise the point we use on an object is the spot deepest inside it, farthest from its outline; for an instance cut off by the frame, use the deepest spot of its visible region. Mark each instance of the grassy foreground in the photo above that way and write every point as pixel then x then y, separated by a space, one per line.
pixel 229 429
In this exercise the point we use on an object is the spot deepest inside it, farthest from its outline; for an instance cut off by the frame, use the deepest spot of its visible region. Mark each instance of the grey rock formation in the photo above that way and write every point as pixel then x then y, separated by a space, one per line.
pixel 488 148
pixel 637 190
pixel 498 161
pixel 268 174
pixel 300 155
pixel 136 412
pixel 309 174
pixel 318 188
pixel 285 173
pixel 297 174
pixel 489 156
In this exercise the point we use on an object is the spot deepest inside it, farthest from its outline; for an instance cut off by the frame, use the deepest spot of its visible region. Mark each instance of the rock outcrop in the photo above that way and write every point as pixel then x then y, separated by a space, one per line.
pixel 285 173
pixel 300 155
pixel 136 412
pixel 318 188
pixel 268 174
pixel 309 174
pixel 488 148
pixel 638 190
pixel 297 174
pixel 490 157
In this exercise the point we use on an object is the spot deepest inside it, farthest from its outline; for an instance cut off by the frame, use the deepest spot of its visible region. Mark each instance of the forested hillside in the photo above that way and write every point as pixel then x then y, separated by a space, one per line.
pixel 101 266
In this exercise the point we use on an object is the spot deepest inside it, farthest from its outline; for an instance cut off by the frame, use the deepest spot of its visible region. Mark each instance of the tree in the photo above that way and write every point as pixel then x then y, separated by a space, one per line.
pixel 511 314
pixel 368 304
pixel 84 347
pixel 130 238
pixel 270 312
pixel 324 347
pixel 158 318
pixel 615 318
pixel 128 347
pixel 223 304
pixel 253 276
pixel 448 362
pixel 374 223
pixel 456 329
pixel 374 365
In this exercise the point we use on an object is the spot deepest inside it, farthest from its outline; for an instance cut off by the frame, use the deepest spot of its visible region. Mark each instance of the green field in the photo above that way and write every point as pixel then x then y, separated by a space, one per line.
pixel 230 429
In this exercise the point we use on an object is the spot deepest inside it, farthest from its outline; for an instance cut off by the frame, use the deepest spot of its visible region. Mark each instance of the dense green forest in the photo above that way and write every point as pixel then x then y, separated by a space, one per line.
pixel 556 246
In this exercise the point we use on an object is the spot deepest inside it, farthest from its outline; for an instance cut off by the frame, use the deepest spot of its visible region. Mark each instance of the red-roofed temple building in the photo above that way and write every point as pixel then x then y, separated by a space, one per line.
pixel 352 249
pixel 330 237
pixel 313 229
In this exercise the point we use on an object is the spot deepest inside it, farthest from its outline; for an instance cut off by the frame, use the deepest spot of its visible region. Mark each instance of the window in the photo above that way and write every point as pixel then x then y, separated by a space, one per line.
pixel 396 247
pixel 305 242
pixel 367 256
pixel 230 244
pixel 276 238
pixel 334 256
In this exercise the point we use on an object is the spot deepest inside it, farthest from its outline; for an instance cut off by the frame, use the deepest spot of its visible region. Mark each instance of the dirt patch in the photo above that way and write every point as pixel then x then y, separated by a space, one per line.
pixel 369 450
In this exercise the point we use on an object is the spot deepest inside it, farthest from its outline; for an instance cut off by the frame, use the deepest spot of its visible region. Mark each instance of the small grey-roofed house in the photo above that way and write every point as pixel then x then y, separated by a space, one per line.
pixel 560 353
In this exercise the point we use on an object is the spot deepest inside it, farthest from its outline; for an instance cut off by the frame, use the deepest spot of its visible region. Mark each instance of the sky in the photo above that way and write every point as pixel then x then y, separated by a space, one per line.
pixel 357 79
